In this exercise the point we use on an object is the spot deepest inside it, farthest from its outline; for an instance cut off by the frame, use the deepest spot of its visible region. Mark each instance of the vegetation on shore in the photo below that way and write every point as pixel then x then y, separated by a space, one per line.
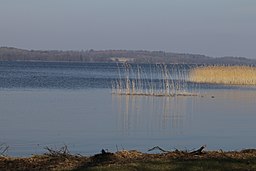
pixel 131 56
pixel 134 160
pixel 232 75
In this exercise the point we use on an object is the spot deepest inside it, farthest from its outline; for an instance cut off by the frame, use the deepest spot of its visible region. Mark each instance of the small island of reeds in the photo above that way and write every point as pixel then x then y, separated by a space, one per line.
pixel 153 80
pixel 232 75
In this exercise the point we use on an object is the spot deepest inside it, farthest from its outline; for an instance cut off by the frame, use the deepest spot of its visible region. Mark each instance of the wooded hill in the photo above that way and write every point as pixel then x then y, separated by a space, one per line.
pixel 138 56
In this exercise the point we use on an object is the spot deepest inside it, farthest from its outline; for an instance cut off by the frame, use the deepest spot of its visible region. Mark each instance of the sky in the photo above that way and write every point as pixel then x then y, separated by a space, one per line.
pixel 210 27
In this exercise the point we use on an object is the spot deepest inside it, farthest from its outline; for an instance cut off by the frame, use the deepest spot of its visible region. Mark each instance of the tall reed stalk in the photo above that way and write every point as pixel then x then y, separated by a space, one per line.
pixel 157 81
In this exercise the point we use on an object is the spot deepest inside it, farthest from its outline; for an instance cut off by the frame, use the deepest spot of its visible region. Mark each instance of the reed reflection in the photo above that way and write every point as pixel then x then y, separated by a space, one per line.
pixel 150 114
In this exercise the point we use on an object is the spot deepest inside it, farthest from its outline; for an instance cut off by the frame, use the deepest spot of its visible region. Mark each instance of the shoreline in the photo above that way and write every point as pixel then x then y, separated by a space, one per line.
pixel 135 160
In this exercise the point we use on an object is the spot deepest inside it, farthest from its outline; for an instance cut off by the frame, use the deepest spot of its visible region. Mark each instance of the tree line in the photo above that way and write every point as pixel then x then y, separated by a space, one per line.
pixel 138 56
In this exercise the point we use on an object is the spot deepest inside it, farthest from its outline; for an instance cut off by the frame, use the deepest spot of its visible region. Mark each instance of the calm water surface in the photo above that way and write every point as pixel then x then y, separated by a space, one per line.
pixel 52 104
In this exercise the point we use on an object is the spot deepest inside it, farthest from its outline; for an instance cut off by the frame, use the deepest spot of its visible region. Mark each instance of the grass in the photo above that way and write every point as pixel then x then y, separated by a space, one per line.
pixel 231 75
pixel 181 165
pixel 134 160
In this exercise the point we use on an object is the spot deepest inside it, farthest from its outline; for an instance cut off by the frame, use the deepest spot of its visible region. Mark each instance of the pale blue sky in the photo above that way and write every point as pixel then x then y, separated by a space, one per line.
pixel 210 27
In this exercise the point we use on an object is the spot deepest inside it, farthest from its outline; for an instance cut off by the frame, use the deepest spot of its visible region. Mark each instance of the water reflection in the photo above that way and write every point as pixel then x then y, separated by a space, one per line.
pixel 242 96
pixel 177 115
pixel 153 114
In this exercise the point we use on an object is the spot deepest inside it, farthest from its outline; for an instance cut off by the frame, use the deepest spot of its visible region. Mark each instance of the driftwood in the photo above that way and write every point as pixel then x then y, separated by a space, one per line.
pixel 3 149
pixel 199 151
pixel 195 152
pixel 63 151
pixel 158 148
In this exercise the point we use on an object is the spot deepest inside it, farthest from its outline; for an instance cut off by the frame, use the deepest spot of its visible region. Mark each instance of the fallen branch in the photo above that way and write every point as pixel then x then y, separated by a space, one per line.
pixel 63 151
pixel 3 149
pixel 199 151
pixel 195 152
pixel 158 148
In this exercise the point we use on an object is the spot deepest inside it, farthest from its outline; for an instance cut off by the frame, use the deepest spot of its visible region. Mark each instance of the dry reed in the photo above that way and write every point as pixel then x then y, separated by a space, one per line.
pixel 139 81
pixel 232 75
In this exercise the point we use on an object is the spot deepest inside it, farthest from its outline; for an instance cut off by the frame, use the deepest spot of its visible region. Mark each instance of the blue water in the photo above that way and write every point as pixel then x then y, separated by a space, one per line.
pixel 52 104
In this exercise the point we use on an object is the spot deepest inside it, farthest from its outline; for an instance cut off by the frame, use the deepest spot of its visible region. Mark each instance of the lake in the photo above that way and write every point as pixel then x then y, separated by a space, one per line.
pixel 57 103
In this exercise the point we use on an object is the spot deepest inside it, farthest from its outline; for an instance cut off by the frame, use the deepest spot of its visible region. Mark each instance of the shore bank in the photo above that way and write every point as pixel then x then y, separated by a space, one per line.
pixel 135 160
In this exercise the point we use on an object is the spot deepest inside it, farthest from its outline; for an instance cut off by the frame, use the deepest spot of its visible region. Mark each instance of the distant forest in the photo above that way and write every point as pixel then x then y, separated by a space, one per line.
pixel 110 56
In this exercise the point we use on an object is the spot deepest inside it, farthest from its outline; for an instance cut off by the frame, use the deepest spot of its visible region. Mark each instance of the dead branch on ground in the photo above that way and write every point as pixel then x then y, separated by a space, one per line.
pixel 195 152
pixel 158 148
pixel 199 151
pixel 3 149
pixel 63 151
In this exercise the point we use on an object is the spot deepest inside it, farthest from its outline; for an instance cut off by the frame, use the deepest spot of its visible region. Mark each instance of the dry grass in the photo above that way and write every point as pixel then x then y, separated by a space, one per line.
pixel 233 75
pixel 135 160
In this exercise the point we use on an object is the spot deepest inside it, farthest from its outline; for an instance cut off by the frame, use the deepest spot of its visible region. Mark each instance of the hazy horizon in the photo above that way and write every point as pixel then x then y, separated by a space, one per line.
pixel 213 28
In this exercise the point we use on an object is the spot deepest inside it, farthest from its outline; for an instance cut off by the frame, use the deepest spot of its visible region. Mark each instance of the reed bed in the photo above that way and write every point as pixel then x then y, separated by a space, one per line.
pixel 153 80
pixel 230 75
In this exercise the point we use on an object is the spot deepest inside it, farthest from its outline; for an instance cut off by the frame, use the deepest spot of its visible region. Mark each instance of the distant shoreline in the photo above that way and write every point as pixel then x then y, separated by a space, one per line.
pixel 117 56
